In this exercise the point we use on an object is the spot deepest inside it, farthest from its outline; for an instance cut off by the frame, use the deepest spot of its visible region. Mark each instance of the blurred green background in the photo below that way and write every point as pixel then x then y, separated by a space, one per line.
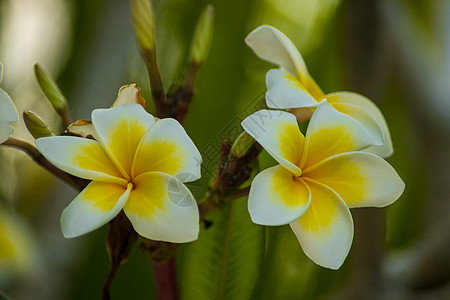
pixel 397 53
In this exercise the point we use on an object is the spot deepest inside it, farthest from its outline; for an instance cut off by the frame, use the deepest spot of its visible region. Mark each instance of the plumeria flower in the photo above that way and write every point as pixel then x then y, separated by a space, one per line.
pixel 291 87
pixel 319 177
pixel 136 163
pixel 8 113
pixel 18 253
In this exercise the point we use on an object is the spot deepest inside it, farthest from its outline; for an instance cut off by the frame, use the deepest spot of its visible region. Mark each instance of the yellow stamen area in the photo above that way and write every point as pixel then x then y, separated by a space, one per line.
pixel 290 142
pixel 124 139
pixel 148 196
pixel 92 157
pixel 102 195
pixel 324 143
pixel 292 190
pixel 322 209
pixel 159 156
pixel 344 177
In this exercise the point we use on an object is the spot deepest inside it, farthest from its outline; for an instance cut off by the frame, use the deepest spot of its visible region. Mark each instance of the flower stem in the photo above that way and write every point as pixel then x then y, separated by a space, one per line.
pixel 34 153
pixel 165 279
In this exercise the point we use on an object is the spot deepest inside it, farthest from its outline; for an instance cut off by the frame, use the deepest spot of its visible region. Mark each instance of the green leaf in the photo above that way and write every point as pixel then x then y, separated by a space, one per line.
pixel 224 263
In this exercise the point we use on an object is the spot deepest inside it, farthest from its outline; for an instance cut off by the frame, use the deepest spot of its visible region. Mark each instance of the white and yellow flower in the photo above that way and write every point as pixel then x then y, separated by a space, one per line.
pixel 291 87
pixel 8 113
pixel 136 163
pixel 319 177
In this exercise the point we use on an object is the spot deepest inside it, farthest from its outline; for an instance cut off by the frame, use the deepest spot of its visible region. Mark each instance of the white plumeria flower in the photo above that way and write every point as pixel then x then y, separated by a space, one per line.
pixel 137 164
pixel 319 177
pixel 8 113
pixel 291 87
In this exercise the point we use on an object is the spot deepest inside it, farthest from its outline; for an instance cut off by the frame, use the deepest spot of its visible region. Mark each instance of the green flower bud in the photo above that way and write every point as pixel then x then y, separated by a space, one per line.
pixel 144 24
pixel 52 92
pixel 201 41
pixel 242 145
pixel 35 125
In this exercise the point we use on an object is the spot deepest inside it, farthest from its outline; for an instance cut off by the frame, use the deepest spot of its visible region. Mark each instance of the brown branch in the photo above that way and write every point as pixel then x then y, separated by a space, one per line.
pixel 34 153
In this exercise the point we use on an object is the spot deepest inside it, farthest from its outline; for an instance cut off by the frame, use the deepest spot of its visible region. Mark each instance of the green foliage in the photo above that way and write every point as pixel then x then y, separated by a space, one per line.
pixel 225 261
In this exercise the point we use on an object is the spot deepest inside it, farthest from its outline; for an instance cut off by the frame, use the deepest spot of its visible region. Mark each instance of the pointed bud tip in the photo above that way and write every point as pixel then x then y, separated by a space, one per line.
pixel 36 125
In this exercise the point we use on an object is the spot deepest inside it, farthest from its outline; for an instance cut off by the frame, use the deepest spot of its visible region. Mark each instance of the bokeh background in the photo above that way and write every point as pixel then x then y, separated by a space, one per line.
pixel 397 53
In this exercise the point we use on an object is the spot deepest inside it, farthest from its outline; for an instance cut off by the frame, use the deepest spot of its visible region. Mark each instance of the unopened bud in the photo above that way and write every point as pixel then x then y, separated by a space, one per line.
pixel 35 125
pixel 144 24
pixel 201 40
pixel 52 92
pixel 242 145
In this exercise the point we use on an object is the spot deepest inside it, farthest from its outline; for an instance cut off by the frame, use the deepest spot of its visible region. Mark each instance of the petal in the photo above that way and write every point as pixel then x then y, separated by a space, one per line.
pixel 272 45
pixel 119 130
pixel 331 132
pixel 325 231
pixel 129 94
pixel 167 148
pixel 285 91
pixel 276 197
pixel 82 128
pixel 8 114
pixel 96 205
pixel 356 100
pixel 81 157
pixel 278 133
pixel 361 179
pixel 162 208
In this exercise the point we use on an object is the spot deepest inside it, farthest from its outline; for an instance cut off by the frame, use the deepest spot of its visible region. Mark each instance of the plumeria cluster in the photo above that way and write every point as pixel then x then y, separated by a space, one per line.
pixel 334 167
pixel 126 160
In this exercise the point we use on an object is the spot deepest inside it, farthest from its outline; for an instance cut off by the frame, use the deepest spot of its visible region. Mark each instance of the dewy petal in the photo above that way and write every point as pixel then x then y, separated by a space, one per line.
pixel 272 45
pixel 8 114
pixel 285 91
pixel 331 132
pixel 276 197
pixel 129 94
pixel 162 208
pixel 278 133
pixel 167 148
pixel 81 157
pixel 119 130
pixel 96 205
pixel 325 230
pixel 341 100
pixel 361 179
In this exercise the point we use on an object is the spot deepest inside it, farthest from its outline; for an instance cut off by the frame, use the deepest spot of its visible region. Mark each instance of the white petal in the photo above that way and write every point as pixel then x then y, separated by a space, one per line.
pixel 167 148
pixel 361 179
pixel 279 135
pixel 119 130
pixel 129 94
pixel 285 91
pixel 276 198
pixel 162 208
pixel 356 100
pixel 331 132
pixel 96 205
pixel 272 45
pixel 325 230
pixel 8 114
pixel 81 157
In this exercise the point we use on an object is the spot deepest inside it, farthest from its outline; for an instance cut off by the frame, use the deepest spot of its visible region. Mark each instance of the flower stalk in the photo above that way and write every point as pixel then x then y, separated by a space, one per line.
pixel 34 153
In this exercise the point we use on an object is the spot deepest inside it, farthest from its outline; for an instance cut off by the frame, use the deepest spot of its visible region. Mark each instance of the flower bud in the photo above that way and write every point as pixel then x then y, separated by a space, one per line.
pixel 52 92
pixel 144 24
pixel 202 36
pixel 35 125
